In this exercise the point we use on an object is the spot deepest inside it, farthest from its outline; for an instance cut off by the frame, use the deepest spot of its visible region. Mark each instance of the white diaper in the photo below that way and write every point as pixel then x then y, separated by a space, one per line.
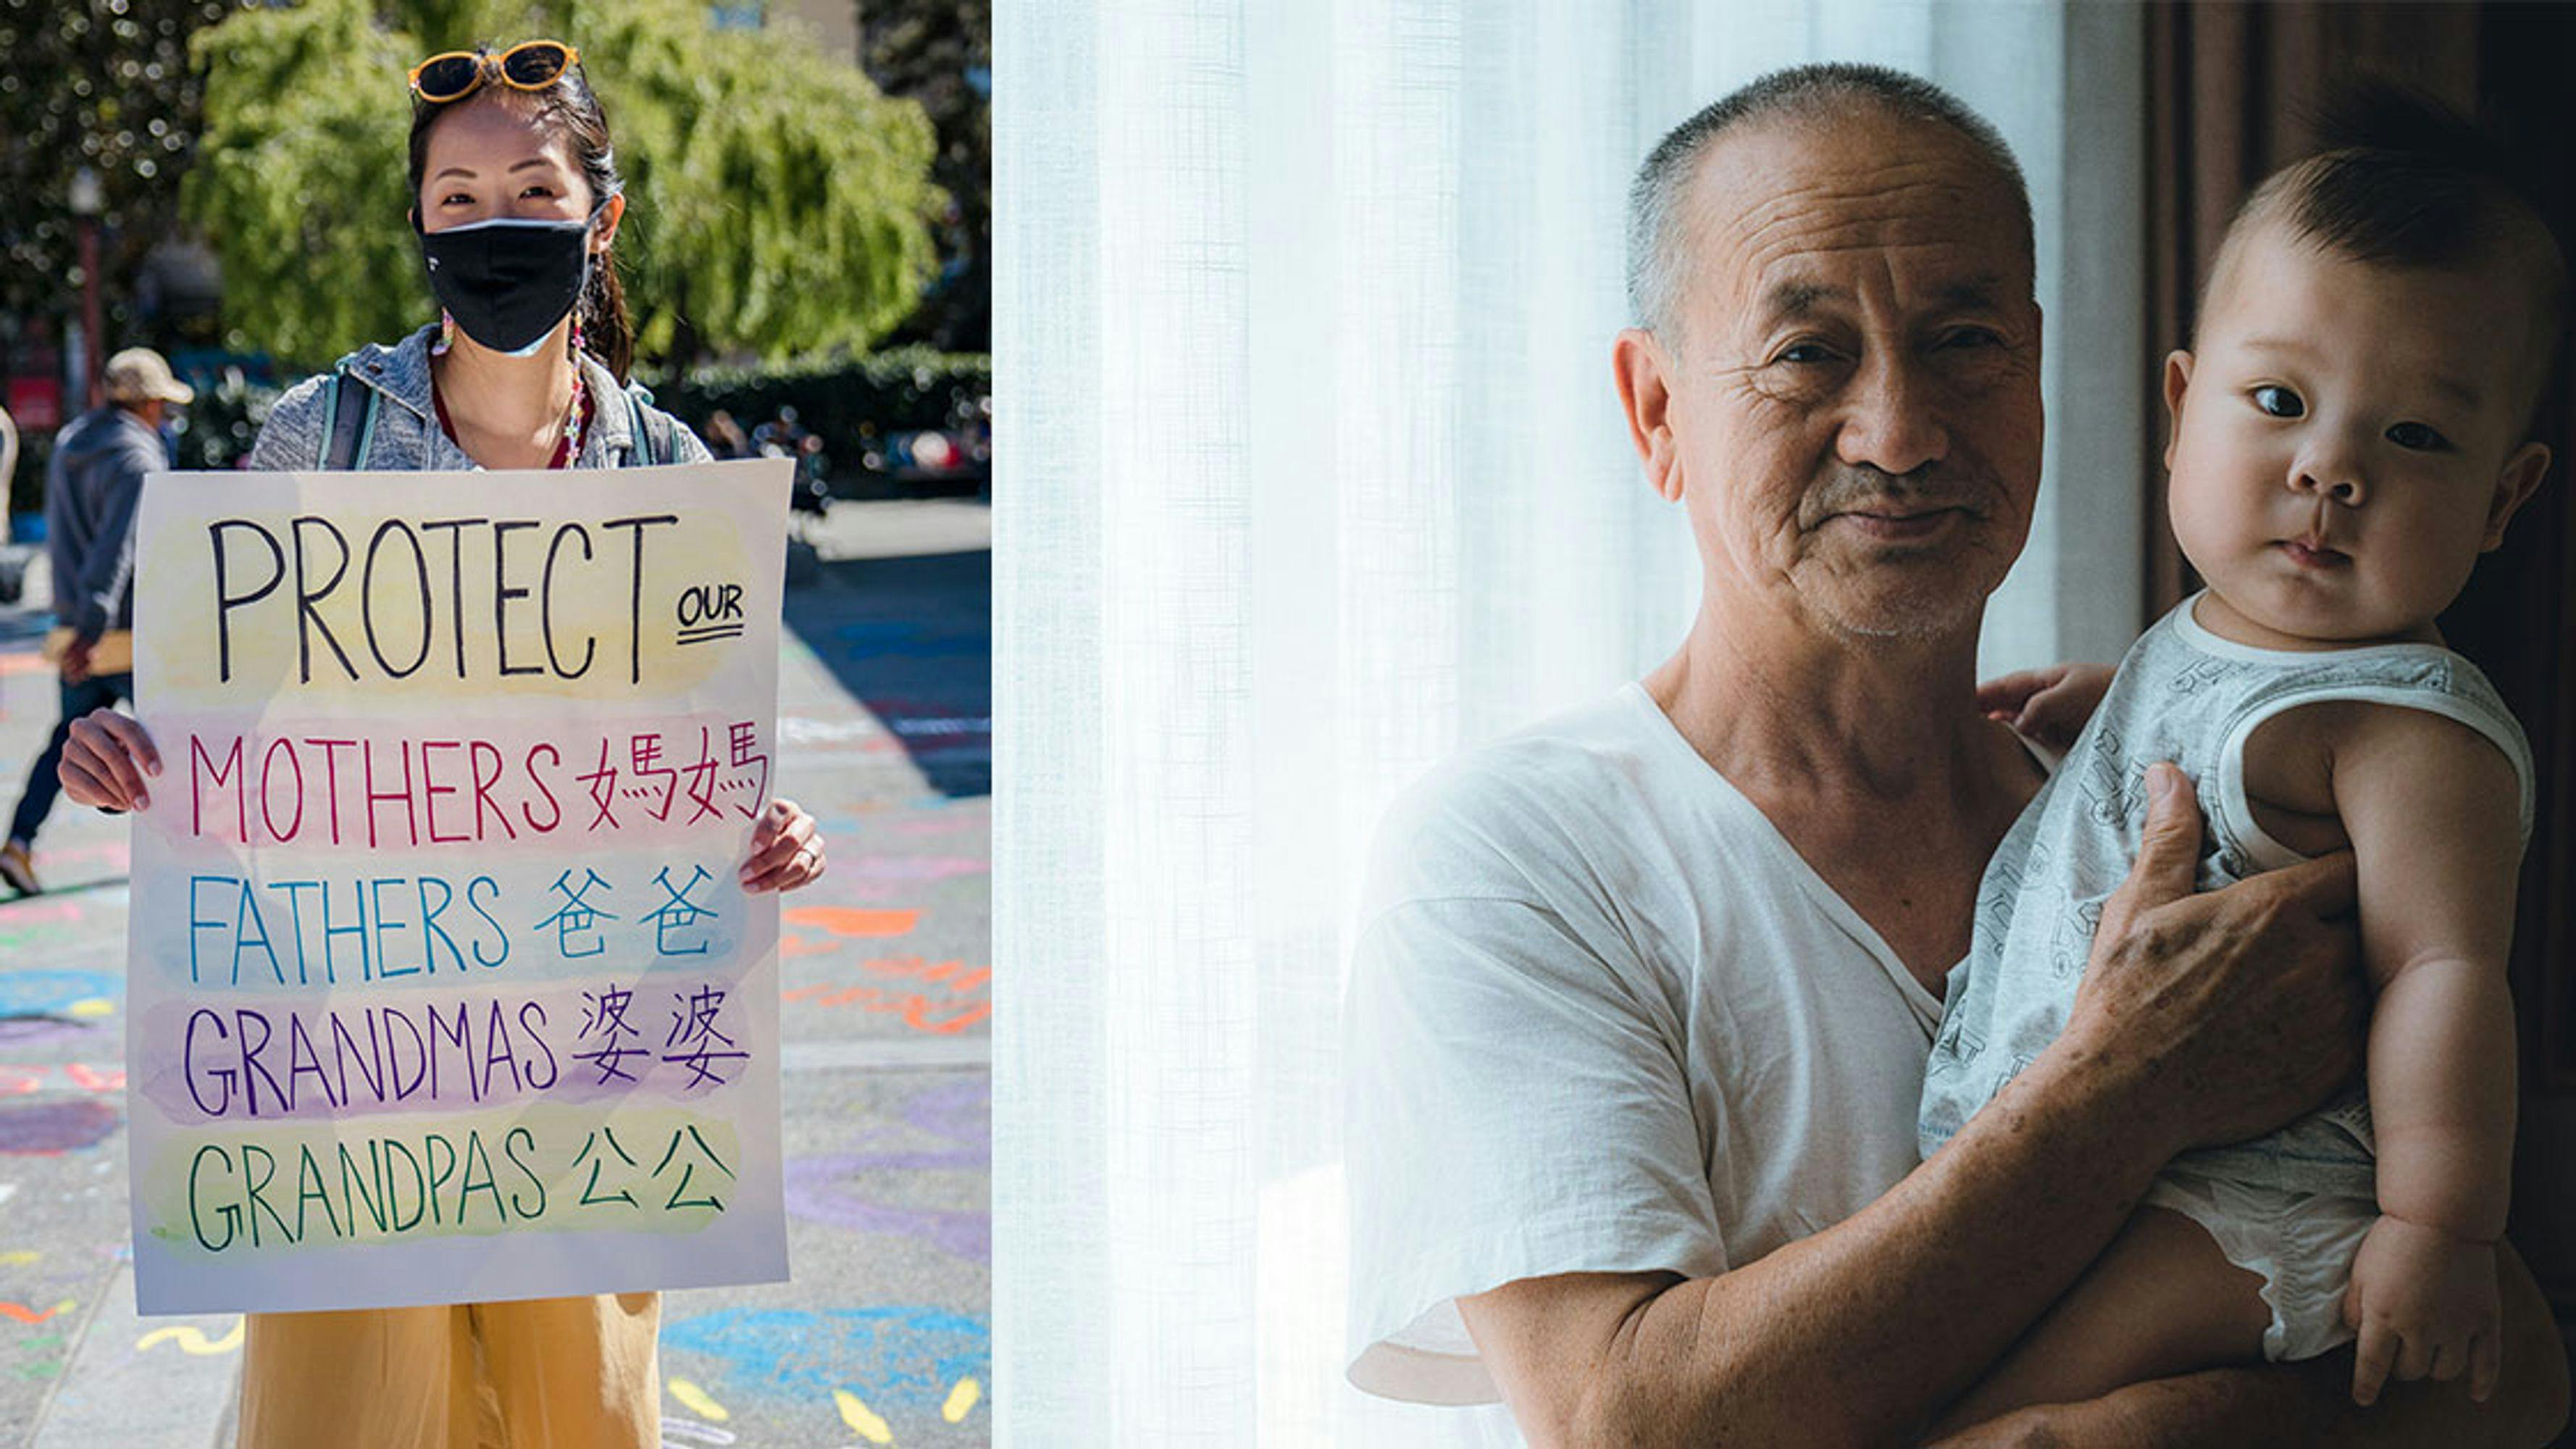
pixel 2300 1243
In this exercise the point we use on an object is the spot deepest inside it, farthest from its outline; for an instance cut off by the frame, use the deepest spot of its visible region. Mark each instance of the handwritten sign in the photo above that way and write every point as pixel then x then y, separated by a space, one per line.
pixel 443 986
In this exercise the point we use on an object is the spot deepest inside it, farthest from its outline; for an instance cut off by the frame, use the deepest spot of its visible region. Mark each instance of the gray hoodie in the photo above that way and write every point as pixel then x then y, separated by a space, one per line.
pixel 91 485
pixel 407 435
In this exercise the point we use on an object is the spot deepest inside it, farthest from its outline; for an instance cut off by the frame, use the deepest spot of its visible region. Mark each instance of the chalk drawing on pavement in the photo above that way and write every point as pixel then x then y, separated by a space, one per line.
pixel 192 1340
pixel 833 1187
pixel 961 998
pixel 906 1359
pixel 846 921
pixel 698 1401
pixel 47 1128
pixel 869 1424
pixel 891 877
pixel 56 993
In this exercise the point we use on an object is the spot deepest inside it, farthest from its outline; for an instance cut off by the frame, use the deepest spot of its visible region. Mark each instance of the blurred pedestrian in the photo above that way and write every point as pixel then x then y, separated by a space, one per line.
pixel 725 437
pixel 13 562
pixel 8 453
pixel 91 487
pixel 813 490
pixel 780 437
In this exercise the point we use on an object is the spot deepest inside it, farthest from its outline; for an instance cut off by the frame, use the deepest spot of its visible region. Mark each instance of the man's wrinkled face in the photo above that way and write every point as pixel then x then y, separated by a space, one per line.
pixel 1855 407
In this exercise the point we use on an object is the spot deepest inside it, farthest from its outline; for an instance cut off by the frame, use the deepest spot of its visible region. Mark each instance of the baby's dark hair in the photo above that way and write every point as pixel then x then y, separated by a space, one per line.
pixel 2403 180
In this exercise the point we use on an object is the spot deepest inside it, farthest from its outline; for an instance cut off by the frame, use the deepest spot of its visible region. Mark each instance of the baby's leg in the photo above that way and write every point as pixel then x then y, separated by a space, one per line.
pixel 2161 1300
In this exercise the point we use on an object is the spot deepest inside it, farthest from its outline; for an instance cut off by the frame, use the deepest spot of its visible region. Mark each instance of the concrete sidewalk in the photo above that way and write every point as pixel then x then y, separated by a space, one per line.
pixel 882 1337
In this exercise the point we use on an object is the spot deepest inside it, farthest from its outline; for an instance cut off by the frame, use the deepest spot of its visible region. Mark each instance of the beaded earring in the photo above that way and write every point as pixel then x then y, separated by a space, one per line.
pixel 446 334
pixel 580 338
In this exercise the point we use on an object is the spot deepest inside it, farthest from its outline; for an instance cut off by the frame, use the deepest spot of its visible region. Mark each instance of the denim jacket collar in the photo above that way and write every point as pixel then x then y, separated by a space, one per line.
pixel 400 374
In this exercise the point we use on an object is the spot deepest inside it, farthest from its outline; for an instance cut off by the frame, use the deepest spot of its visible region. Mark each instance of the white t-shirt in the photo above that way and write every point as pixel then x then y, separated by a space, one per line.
pixel 1602 1019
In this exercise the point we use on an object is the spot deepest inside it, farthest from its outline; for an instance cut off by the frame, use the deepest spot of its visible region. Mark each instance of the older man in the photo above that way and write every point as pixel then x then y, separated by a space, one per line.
pixel 1643 995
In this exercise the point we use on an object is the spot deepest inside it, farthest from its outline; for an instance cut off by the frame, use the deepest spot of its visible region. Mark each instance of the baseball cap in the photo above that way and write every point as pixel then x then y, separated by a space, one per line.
pixel 139 374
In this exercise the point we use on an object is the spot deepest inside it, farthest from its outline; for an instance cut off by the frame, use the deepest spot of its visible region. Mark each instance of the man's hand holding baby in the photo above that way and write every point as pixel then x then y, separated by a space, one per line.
pixel 2257 1033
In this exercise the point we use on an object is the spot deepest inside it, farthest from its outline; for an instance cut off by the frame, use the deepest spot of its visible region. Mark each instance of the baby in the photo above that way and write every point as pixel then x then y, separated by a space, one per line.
pixel 2349 434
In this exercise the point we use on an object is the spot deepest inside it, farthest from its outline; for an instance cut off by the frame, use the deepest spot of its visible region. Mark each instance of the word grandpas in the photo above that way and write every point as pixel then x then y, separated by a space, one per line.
pixel 444 1181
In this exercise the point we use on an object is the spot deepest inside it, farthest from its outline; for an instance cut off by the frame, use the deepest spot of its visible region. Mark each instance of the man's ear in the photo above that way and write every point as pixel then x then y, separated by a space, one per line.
pixel 1640 369
pixel 2514 487
pixel 2177 381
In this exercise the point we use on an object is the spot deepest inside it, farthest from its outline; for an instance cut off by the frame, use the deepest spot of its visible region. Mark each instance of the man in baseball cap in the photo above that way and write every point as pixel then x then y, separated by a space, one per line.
pixel 139 375
pixel 91 487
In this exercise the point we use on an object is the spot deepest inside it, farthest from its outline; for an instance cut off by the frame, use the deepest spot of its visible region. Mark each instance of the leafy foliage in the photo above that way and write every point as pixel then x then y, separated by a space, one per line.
pixel 930 51
pixel 776 202
pixel 105 85
pixel 848 401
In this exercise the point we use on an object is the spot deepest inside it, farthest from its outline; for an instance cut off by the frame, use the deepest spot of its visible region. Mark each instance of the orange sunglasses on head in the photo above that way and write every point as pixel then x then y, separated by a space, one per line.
pixel 529 66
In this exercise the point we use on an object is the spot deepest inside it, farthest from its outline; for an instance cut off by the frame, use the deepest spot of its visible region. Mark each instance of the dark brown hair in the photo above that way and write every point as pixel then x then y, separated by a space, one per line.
pixel 570 106
pixel 2406 181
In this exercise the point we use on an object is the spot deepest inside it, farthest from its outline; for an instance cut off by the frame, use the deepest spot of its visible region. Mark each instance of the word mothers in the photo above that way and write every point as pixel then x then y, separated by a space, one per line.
pixel 443 1182
pixel 298 790
pixel 398 581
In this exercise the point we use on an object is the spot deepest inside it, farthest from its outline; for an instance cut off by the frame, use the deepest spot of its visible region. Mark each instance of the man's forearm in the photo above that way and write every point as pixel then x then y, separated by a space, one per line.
pixel 1862 1332
pixel 2183 1031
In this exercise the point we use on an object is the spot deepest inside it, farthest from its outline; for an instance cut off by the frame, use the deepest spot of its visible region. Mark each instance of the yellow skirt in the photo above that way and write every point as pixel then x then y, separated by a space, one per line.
pixel 547 1373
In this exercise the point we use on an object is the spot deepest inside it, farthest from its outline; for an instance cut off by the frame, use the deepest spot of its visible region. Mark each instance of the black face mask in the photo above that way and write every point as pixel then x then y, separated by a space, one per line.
pixel 508 282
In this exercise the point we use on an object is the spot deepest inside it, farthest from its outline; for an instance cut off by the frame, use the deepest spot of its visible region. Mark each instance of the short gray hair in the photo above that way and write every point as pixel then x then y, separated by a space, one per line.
pixel 1806 92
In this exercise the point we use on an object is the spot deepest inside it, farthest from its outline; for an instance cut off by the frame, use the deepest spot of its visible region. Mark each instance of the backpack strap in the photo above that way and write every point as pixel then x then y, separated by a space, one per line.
pixel 331 415
pixel 352 434
pixel 654 444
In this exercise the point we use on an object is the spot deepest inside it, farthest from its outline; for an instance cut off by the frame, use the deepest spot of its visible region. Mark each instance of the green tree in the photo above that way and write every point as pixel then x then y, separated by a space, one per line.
pixel 98 83
pixel 940 53
pixel 104 84
pixel 776 202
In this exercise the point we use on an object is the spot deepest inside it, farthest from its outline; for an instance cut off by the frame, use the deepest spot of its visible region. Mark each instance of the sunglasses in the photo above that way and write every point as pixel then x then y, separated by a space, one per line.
pixel 529 66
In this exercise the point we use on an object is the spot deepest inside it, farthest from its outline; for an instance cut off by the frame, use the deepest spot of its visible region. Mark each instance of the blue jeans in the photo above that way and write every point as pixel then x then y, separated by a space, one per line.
pixel 46 781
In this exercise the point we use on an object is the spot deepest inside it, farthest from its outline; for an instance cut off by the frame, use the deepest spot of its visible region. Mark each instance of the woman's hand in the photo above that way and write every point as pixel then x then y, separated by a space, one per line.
pixel 106 760
pixel 786 849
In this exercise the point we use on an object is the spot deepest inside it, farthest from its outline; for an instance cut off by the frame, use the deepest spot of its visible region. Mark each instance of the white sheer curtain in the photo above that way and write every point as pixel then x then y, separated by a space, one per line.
pixel 1311 475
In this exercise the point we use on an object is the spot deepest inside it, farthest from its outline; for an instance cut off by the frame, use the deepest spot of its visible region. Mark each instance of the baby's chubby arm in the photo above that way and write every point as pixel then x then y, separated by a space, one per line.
pixel 2433 810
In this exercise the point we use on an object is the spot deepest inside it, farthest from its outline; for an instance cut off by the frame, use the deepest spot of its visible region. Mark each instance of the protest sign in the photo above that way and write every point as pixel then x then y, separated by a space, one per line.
pixel 443 986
